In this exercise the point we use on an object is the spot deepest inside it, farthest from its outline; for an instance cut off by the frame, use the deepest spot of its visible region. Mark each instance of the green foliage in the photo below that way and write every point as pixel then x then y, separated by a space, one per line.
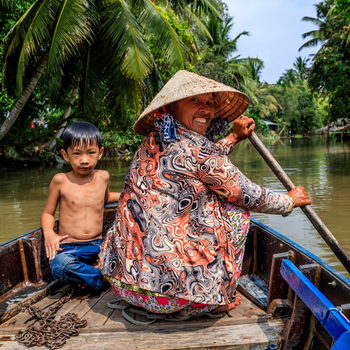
pixel 342 9
pixel 330 72
pixel 165 68
pixel 148 43
pixel 11 153
pixel 122 137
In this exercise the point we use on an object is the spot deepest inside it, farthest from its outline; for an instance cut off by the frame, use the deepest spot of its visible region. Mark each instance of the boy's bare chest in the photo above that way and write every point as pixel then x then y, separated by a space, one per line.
pixel 86 194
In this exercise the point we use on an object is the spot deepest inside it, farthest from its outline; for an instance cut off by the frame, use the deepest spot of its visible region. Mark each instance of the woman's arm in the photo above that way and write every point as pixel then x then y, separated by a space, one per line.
pixel 242 129
pixel 217 172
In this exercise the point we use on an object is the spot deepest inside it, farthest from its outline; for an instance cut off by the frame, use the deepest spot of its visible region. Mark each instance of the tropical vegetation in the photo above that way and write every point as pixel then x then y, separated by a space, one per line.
pixel 104 61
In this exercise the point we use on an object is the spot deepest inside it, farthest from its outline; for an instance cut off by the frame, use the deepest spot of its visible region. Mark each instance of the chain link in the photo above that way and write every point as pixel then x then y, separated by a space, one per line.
pixel 49 332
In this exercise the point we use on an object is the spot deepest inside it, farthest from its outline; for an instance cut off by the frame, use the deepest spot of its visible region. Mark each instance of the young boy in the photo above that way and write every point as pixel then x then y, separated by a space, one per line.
pixel 82 194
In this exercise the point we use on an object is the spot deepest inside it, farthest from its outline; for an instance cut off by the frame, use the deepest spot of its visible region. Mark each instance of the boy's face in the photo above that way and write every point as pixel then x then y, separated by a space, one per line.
pixel 83 158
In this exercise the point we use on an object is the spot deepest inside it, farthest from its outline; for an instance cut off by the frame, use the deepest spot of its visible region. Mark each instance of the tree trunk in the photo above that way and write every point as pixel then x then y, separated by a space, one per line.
pixel 18 106
pixel 279 134
pixel 328 120
pixel 52 143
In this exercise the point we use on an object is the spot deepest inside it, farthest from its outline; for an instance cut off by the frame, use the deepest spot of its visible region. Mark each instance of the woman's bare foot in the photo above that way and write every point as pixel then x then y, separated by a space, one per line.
pixel 227 306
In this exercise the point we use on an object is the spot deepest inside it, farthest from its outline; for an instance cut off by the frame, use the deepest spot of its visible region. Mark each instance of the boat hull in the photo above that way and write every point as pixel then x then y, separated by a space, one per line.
pixel 26 279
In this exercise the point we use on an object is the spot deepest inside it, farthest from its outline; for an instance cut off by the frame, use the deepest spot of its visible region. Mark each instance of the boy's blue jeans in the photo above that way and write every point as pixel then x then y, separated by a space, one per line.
pixel 71 264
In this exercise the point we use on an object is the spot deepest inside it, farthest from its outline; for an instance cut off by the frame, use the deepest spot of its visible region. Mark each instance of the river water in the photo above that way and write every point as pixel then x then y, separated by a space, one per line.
pixel 323 171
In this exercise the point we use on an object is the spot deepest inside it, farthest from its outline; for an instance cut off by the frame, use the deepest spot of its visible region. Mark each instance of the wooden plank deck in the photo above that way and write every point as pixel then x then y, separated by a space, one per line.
pixel 246 327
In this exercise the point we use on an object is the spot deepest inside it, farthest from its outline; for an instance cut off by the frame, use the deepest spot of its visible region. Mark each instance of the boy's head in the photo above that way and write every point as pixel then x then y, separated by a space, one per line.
pixel 82 134
pixel 82 147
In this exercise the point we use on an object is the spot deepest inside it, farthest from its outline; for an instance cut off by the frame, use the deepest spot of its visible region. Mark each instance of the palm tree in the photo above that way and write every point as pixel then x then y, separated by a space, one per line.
pixel 289 78
pixel 300 66
pixel 256 66
pixel 100 42
pixel 327 22
pixel 317 35
pixel 219 39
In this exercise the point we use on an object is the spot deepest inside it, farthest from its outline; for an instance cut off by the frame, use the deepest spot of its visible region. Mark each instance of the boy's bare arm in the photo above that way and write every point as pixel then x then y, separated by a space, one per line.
pixel 110 196
pixel 52 240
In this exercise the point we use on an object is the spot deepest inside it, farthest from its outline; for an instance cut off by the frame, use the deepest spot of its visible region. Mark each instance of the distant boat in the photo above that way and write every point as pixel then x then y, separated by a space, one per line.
pixel 290 300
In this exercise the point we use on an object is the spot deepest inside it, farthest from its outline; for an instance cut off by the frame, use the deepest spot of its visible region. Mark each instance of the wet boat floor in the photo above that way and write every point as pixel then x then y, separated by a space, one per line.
pixel 245 327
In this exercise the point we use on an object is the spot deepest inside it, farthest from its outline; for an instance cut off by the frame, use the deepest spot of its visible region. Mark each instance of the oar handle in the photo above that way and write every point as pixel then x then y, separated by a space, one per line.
pixel 321 228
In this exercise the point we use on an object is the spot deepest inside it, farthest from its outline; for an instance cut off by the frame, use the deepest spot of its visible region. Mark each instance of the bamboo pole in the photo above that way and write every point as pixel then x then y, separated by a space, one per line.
pixel 321 228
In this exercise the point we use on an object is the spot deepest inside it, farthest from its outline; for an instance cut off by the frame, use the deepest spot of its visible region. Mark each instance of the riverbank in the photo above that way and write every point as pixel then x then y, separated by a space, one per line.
pixel 37 158
pixel 34 157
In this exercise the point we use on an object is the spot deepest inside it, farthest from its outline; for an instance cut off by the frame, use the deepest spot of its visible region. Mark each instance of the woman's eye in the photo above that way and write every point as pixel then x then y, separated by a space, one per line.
pixel 210 103
pixel 195 99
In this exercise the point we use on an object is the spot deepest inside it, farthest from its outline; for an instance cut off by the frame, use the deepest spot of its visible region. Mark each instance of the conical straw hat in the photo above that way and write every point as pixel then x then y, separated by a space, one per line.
pixel 229 103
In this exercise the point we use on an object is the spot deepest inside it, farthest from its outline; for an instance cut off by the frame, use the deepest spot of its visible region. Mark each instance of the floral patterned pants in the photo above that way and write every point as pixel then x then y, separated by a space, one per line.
pixel 164 304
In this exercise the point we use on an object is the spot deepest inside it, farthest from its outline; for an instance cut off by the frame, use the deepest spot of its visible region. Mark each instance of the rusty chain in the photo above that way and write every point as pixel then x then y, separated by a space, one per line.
pixel 49 332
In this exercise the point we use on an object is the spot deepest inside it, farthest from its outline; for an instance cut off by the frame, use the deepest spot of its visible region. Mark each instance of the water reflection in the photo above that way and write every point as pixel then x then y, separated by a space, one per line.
pixel 324 172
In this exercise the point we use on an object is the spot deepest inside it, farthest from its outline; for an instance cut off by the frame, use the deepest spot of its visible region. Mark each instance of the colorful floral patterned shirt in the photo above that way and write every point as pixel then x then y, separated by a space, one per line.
pixel 172 234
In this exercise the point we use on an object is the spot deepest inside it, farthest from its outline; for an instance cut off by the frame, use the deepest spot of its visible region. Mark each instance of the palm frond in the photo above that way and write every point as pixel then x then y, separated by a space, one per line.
pixel 72 30
pixel 331 10
pixel 91 85
pixel 192 18
pixel 228 24
pixel 206 7
pixel 13 44
pixel 127 46
pixel 240 34
pixel 6 4
pixel 312 20
pixel 250 60
pixel 169 42
pixel 310 43
pixel 123 91
pixel 37 36
pixel 239 67
pixel 313 33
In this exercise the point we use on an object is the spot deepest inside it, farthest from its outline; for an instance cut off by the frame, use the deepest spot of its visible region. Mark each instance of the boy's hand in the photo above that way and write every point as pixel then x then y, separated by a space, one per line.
pixel 52 243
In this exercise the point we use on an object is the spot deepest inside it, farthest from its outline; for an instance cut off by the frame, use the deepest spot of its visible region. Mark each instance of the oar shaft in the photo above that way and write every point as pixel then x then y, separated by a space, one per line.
pixel 321 228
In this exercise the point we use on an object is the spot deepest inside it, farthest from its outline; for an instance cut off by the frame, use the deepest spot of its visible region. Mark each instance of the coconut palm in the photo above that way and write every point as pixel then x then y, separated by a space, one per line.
pixel 328 23
pixel 289 78
pixel 317 35
pixel 100 42
pixel 219 38
pixel 256 66
pixel 300 66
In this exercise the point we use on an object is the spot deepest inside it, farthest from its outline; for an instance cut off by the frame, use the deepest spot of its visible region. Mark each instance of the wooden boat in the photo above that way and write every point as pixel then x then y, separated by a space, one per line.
pixel 290 300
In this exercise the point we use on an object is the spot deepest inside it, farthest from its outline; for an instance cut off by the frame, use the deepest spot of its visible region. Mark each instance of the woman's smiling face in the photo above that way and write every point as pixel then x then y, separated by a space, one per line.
pixel 195 112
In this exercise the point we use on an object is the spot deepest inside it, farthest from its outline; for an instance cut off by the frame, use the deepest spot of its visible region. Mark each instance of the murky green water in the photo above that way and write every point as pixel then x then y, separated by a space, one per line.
pixel 323 171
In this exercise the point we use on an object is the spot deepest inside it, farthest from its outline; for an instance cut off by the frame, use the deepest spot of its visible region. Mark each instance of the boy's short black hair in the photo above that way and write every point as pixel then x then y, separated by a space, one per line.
pixel 81 133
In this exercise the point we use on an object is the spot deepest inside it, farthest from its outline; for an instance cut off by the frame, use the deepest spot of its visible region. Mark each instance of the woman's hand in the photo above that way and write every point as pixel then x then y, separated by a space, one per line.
pixel 242 129
pixel 300 197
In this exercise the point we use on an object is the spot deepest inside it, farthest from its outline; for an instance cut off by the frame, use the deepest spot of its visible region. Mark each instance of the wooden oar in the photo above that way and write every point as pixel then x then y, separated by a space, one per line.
pixel 321 228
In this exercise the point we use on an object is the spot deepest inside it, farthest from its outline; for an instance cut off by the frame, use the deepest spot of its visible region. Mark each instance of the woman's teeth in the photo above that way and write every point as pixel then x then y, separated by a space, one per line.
pixel 200 120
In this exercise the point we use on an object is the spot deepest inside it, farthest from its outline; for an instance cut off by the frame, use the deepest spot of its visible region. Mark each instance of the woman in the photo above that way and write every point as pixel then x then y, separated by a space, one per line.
pixel 177 243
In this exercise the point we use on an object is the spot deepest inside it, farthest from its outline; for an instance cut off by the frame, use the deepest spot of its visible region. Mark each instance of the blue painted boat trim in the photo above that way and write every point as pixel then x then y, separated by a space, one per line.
pixel 343 342
pixel 303 250
pixel 330 317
